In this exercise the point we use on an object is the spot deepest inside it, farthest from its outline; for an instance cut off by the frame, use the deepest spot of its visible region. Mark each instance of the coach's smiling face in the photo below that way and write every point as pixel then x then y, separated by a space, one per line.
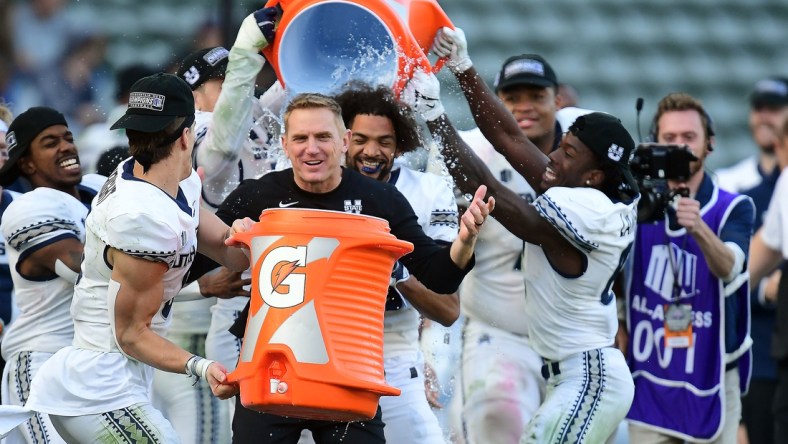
pixel 315 143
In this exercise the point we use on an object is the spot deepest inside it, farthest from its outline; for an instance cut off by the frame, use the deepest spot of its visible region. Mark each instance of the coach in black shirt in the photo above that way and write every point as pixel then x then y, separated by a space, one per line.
pixel 315 140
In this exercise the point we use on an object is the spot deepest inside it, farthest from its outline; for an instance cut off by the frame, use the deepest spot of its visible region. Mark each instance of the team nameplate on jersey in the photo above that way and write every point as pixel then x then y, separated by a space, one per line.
pixel 678 325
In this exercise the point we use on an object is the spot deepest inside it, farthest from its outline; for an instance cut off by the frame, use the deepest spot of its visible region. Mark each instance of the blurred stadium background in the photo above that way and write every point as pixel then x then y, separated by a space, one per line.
pixel 611 51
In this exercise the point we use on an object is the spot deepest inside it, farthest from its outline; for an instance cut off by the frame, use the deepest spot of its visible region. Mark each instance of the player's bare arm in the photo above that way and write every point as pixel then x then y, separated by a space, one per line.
pixel 512 211
pixel 441 308
pixel 500 127
pixel 60 258
pixel 138 299
pixel 211 239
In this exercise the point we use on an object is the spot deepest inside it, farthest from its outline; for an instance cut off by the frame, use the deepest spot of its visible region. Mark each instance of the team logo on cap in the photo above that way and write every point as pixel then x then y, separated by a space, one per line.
pixel 144 100
pixel 192 75
pixel 216 55
pixel 615 152
pixel 10 139
pixel 529 66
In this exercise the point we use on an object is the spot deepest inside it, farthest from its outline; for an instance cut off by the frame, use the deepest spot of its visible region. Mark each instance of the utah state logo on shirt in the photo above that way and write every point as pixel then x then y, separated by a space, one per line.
pixel 353 206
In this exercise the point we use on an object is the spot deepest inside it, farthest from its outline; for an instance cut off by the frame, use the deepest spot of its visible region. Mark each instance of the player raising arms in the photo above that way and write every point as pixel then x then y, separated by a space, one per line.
pixel 578 233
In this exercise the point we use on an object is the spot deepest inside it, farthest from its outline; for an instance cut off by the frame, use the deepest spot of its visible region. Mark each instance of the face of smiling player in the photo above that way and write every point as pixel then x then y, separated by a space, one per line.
pixel 373 146
pixel 52 160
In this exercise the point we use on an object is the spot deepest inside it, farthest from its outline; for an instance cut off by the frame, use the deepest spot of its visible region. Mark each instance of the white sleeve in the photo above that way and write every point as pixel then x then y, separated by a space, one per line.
pixel 575 213
pixel 444 219
pixel 38 218
pixel 142 236
pixel 775 226
pixel 232 115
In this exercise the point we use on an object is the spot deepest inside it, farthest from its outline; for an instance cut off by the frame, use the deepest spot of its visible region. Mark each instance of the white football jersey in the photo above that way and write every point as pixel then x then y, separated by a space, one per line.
pixel 494 291
pixel 739 177
pixel 569 315
pixel 141 220
pixel 32 221
pixel 775 226
pixel 433 202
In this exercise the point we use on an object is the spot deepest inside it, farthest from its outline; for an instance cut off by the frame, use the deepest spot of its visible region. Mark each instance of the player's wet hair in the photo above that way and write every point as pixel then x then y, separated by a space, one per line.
pixel 150 148
pixel 314 101
pixel 360 98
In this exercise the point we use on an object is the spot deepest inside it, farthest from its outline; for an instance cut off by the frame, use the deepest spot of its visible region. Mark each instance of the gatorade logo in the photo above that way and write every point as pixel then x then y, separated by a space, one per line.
pixel 280 284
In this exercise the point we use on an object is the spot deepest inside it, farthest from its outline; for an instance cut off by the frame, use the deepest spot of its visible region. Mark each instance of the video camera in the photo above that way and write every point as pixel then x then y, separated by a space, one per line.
pixel 652 165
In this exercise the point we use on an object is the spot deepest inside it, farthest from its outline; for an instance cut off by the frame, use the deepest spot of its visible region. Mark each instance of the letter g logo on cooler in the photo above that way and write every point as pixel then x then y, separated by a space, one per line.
pixel 279 285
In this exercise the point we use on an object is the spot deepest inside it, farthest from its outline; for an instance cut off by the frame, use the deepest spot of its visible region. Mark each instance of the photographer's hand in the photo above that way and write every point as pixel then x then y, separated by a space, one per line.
pixel 719 257
pixel 688 214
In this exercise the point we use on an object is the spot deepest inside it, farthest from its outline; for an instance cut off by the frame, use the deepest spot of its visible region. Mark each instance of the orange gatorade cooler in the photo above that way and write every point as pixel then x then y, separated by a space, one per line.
pixel 313 346
pixel 321 45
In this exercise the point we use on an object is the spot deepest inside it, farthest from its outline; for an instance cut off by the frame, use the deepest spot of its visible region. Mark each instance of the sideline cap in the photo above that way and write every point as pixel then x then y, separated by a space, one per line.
pixel 525 69
pixel 21 133
pixel 155 101
pixel 203 65
pixel 607 138
pixel 770 92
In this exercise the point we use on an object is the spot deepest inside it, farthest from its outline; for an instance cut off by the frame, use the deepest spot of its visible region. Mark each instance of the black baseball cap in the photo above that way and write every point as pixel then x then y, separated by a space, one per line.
pixel 607 138
pixel 525 69
pixel 21 133
pixel 203 65
pixel 155 101
pixel 770 92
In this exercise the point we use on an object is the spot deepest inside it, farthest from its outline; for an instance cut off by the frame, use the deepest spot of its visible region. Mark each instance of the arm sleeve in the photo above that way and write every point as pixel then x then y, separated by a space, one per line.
pixel 232 115
pixel 142 236
pixel 576 214
pixel 36 220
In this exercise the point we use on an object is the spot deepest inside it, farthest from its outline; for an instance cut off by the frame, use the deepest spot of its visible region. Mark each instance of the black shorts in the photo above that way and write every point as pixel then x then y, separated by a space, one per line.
pixel 251 427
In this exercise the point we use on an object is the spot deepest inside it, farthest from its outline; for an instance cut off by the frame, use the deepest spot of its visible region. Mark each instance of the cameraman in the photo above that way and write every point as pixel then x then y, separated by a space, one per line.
pixel 688 305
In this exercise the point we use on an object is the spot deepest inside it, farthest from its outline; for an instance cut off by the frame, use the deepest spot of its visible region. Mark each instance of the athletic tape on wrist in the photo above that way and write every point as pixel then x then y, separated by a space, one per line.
pixel 197 368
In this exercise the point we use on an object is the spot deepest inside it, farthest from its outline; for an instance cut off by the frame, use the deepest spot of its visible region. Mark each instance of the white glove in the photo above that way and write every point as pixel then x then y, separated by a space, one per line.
pixel 423 93
pixel 451 43
pixel 258 28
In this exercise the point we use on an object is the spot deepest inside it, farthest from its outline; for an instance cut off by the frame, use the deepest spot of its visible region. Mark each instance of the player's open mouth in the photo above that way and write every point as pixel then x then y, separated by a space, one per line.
pixel 549 175
pixel 313 162
pixel 71 163
pixel 370 167
pixel 526 123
